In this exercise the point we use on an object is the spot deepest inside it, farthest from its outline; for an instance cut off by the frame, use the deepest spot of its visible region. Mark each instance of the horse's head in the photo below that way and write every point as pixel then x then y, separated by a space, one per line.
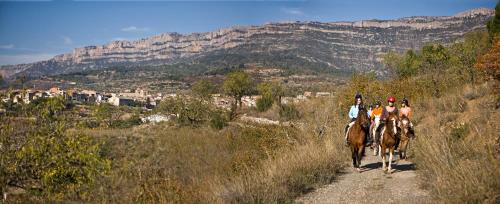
pixel 393 119
pixel 362 117
pixel 405 126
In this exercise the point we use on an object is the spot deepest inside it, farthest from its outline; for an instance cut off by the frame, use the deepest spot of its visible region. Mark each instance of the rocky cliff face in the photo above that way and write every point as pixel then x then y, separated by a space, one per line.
pixel 337 45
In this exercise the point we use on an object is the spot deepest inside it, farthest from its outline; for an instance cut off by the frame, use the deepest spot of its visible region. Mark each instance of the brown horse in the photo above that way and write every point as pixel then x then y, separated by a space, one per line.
pixel 389 139
pixel 357 135
pixel 406 134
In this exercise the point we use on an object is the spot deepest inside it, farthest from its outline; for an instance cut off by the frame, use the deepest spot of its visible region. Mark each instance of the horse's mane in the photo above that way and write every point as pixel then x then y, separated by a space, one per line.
pixel 389 124
pixel 362 117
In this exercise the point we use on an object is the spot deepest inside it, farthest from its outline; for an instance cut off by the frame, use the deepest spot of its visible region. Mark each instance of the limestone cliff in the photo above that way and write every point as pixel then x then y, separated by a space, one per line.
pixel 337 45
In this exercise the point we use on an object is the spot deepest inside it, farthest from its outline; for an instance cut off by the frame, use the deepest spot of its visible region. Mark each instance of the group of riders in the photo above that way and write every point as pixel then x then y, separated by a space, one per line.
pixel 378 116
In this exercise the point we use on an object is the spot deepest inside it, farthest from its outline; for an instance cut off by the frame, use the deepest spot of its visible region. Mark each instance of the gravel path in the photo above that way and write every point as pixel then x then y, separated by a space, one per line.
pixel 372 185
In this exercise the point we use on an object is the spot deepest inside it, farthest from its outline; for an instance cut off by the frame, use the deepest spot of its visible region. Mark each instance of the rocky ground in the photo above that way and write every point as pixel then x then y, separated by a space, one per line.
pixel 372 185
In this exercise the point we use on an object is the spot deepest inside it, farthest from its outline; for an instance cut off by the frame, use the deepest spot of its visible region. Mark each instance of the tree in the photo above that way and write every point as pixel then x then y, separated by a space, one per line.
pixel 489 63
pixel 435 58
pixel 270 92
pixel 392 60
pixel 409 65
pixel 106 114
pixel 189 111
pixel 494 24
pixel 43 158
pixel 237 84
pixel 403 66
pixel 203 88
pixel 2 81
pixel 465 54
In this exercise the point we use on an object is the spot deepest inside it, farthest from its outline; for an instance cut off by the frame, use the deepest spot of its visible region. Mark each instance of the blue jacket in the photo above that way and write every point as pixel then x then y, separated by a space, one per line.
pixel 353 113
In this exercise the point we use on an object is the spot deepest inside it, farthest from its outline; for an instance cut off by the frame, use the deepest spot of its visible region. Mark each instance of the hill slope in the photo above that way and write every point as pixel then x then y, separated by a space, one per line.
pixel 315 45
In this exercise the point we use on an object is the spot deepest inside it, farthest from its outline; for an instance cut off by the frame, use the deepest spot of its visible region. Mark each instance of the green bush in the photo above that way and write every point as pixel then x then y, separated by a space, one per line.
pixel 289 112
pixel 132 121
pixel 218 120
pixel 42 158
pixel 264 103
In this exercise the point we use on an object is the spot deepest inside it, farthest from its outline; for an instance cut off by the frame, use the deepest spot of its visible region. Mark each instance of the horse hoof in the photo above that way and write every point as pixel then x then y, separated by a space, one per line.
pixel 358 170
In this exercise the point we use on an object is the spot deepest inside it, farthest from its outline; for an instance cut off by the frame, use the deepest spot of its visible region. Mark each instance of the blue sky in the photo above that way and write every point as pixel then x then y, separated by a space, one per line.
pixel 36 30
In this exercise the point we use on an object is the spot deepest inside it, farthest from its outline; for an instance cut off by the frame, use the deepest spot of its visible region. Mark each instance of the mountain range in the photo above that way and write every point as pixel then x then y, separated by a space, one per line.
pixel 326 47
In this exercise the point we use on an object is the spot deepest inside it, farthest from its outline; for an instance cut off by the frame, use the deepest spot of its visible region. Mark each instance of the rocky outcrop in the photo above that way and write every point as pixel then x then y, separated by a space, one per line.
pixel 337 45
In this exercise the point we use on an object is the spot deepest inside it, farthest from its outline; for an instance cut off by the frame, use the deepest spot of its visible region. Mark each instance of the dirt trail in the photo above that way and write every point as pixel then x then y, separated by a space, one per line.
pixel 372 185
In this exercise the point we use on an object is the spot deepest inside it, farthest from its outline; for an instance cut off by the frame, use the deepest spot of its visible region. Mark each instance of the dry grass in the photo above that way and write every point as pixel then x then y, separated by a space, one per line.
pixel 457 147
pixel 251 164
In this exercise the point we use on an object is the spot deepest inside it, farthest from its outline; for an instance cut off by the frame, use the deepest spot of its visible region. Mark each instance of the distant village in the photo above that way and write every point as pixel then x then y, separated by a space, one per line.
pixel 138 96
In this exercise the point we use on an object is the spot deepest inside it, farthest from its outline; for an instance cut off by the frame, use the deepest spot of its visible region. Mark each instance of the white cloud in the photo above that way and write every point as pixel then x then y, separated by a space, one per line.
pixel 293 11
pixel 135 29
pixel 9 46
pixel 67 40
pixel 24 58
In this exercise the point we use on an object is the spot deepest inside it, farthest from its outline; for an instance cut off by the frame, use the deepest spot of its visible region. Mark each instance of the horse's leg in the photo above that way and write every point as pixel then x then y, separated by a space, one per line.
pixel 360 155
pixel 382 149
pixel 379 150
pixel 353 156
pixel 391 152
pixel 400 154
pixel 374 145
pixel 403 149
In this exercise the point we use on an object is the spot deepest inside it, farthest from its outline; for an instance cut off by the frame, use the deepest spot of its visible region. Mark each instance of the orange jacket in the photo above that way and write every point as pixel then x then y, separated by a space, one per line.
pixel 376 112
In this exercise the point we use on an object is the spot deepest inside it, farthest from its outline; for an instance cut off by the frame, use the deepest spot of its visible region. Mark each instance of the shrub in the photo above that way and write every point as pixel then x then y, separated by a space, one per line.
pixel 459 131
pixel 264 103
pixel 41 157
pixel 218 120
pixel 289 112
pixel 190 111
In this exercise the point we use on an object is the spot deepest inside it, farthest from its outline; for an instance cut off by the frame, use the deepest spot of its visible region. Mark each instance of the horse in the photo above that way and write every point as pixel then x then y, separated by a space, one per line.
pixel 356 136
pixel 406 134
pixel 388 140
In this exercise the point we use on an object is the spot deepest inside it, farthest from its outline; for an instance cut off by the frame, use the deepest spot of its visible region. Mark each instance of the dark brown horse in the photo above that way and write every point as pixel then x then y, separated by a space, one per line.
pixel 357 135
pixel 389 139
pixel 406 134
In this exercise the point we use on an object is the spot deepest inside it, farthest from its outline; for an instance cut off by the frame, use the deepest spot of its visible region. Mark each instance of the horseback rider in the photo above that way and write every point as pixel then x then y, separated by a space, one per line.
pixel 407 112
pixel 405 109
pixel 353 114
pixel 390 108
pixel 375 117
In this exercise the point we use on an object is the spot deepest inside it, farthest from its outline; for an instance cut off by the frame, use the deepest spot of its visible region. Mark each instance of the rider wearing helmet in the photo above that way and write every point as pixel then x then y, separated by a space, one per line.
pixel 353 113
pixel 406 111
pixel 390 108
